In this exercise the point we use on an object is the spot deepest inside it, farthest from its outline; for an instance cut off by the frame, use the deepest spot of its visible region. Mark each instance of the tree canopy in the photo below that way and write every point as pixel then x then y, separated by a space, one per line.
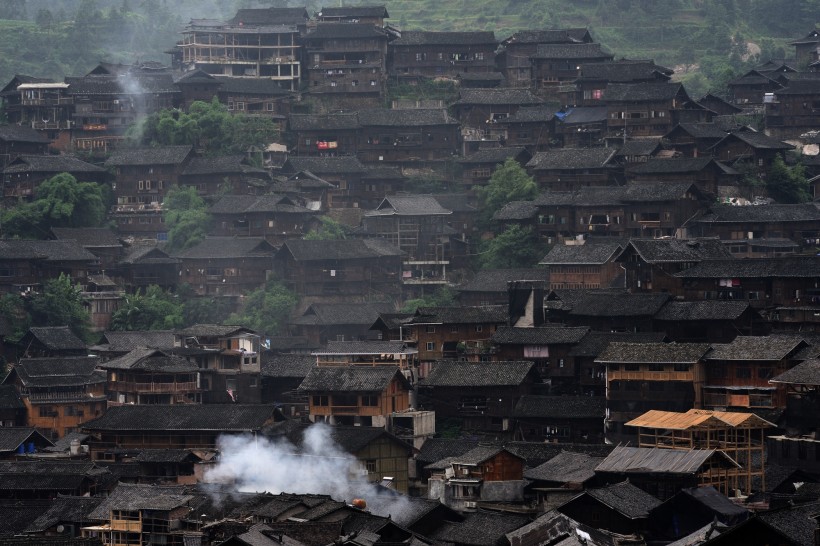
pixel 787 184
pixel 186 217
pixel 60 201
pixel 442 297
pixel 514 247
pixel 509 182
pixel 266 309
pixel 328 230
pixel 60 303
pixel 153 309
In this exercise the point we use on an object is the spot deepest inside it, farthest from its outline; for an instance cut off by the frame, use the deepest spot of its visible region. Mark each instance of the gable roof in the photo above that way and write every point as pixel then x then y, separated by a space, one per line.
pixel 88 237
pixel 550 36
pixel 491 96
pixel 641 460
pixel 543 335
pixel 271 16
pixel 800 212
pixel 151 360
pixel 754 139
pixel 786 267
pixel 643 92
pixel 409 205
pixel 325 165
pixel 618 304
pixel 344 31
pixel 595 253
pixel 306 250
pixel 594 343
pixel 805 373
pixel 51 164
pixel 656 251
pixel 12 438
pixel 354 11
pixel 50 251
pixel 572 158
pixel 677 165
pixel 245 204
pixel 625 352
pixel 287 365
pixel 351 379
pixel 772 348
pixel 182 417
pixel 565 468
pixel 163 155
pixel 529 114
pixel 450 373
pixel 624 498
pixel 342 313
pixel 57 338
pixel 420 37
pixel 228 247
pixel 375 347
pixel 482 314
pixel 497 280
pixel 700 130
pixel 20 133
pixel 124 341
pixel 59 372
pixel 324 122
pixel 702 310
pixel 583 114
pixel 623 70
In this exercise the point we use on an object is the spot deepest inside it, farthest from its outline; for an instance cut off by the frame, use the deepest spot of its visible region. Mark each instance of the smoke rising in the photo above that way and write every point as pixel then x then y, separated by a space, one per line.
pixel 256 464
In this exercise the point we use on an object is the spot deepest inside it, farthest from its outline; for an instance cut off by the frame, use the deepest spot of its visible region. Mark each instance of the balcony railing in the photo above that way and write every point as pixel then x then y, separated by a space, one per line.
pixel 157 387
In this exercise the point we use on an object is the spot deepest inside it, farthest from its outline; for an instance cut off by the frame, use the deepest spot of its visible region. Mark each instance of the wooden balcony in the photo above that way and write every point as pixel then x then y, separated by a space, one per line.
pixel 620 375
pixel 188 386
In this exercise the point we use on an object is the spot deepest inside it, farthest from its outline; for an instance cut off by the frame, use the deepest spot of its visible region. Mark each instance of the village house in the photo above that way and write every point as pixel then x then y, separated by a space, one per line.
pixel 793 110
pixel 806 48
pixel 478 111
pixel 146 265
pixel 637 151
pixel 144 175
pixel 491 286
pixel 649 109
pixel 13 411
pixel 581 127
pixel 570 419
pixel 16 140
pixel 588 265
pixel 593 78
pixel 264 97
pixel 416 55
pixel 405 136
pixel 59 392
pixel 341 268
pixel 646 376
pixel 364 15
pixel 532 127
pixel 101 242
pixel 703 505
pixel 214 175
pixel 621 507
pixel 26 264
pixel 749 90
pixel 514 59
pixel 281 375
pixel 321 322
pixel 226 266
pixel 40 480
pixel 553 64
pixel 346 63
pixel 478 168
pixel 613 310
pixel 151 376
pixel 24 174
pixel 567 169
pixel 273 217
pixel 383 456
pixel 694 139
pixel 398 353
pixel 256 43
pixel 712 321
pixel 751 148
pixel 42 105
pixel 481 395
pixel 356 395
pixel 708 174
pixel 324 134
pixel 344 173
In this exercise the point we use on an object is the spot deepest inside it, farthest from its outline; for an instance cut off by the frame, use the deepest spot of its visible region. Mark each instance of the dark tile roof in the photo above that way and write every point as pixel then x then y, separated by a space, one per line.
pixel 658 192
pixel 622 71
pixel 498 96
pixel 13 437
pixel 497 280
pixel 355 439
pixel 9 398
pixel 287 365
pixel 478 529
pixel 344 31
pixel 478 455
pixel 354 11
pixel 409 205
pixel 798 523
pixel 571 51
pixel 133 497
pixel 625 352
pixel 120 85
pixel 560 407
pixel 537 453
pixel 379 347
pixel 154 360
pixel 702 310
pixel 596 253
pixel 163 155
pixel 618 304
pixel 244 204
pixel 757 140
pixel 450 373
pixel 436 449
pixel 324 165
pixel 787 267
pixel 642 92
pixel 673 165
pixel 677 250
pixel 88 237
pixel 62 510
pixel 493 155
pixel 583 115
pixel 625 499
pixel 550 36
pixel 461 315
pixel 545 335
pixel 212 330
pixel 19 133
pixel 229 164
pixel 228 247
pixel 324 122
pixel 702 130
pixel 182 417
pixel 59 372
pixel 565 468
pixel 645 460
pixel 773 348
pixel 251 86
pixel 594 343
pixel 51 164
pixel 805 373
pixel 343 313
pixel 350 378
pixel 804 212
pixel 127 341
pixel 419 37
pixel 530 114
pixel 572 158
pixel 639 147
pixel 304 250
pixel 271 16
pixel 516 210
pixel 801 86
pixel 51 251
pixel 57 338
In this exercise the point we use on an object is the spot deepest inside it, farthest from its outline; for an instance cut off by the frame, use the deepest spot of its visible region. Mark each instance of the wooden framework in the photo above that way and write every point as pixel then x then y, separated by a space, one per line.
pixel 740 436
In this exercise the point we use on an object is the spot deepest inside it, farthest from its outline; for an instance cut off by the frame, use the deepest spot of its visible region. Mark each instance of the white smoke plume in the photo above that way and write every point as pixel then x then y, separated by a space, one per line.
pixel 256 464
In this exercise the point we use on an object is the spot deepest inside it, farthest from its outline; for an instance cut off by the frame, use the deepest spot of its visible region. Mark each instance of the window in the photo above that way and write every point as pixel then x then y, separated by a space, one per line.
pixel 655 367
pixel 47 411
pixel 430 329
pixel 632 367
pixel 454 329
pixel 431 346
pixel 370 400
pixel 370 465
pixel 479 328
pixel 764 373
pixel 681 367
pixel 743 373
pixel 479 56
pixel 354 83
pixel 320 401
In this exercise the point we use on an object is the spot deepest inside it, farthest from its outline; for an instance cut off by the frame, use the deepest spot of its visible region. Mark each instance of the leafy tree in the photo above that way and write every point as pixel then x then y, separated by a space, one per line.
pixel 509 182
pixel 154 309
pixel 186 216
pixel 202 310
pixel 787 184
pixel 328 230
pixel 514 247
pixel 266 309
pixel 13 311
pixel 442 297
pixel 60 201
pixel 61 303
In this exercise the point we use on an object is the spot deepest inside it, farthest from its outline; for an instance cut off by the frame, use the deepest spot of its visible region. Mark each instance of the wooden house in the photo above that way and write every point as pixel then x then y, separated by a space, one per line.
pixel 24 174
pixel 101 242
pixel 339 321
pixel 650 264
pixel 226 266
pixel 266 97
pixel 398 353
pixel 255 43
pixel 806 48
pixel 718 105
pixel 324 134
pixel 42 480
pixel 649 109
pixel 571 419
pixel 589 265
pixel 151 376
pixel 794 110
pixel 692 509
pixel 516 51
pixel 420 54
pixel 531 127
pixel 553 64
pixel 738 372
pixel 176 426
pixel 404 136
pixel 380 453
pixel 567 169
pixel 215 175
pixel 750 89
pixel 19 440
pixel 750 147
pixel 547 347
pixel 442 333
pixel 593 78
pixel 646 376
pixel 620 508
pixel 482 395
pixel 478 111
pixel 272 217
pixel 491 286
pixel 712 321
pixel 59 392
pixel 144 265
pixel 613 310
pixel 363 15
pixel 707 173
pixel 51 341
pixel 344 173
pixel 26 264
pixel 12 409
pixel 581 126
pixel 16 140
pixel 356 395
pixel 694 139
pixel 478 168
pixel 40 104
pixel 144 175
pixel 349 267
pixel 347 62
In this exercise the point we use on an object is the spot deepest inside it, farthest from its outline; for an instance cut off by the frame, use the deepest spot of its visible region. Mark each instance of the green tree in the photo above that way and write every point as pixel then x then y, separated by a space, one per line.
pixel 186 216
pixel 787 184
pixel 442 297
pixel 329 229
pixel 514 247
pixel 266 309
pixel 60 201
pixel 509 182
pixel 61 303
pixel 13 311
pixel 153 309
